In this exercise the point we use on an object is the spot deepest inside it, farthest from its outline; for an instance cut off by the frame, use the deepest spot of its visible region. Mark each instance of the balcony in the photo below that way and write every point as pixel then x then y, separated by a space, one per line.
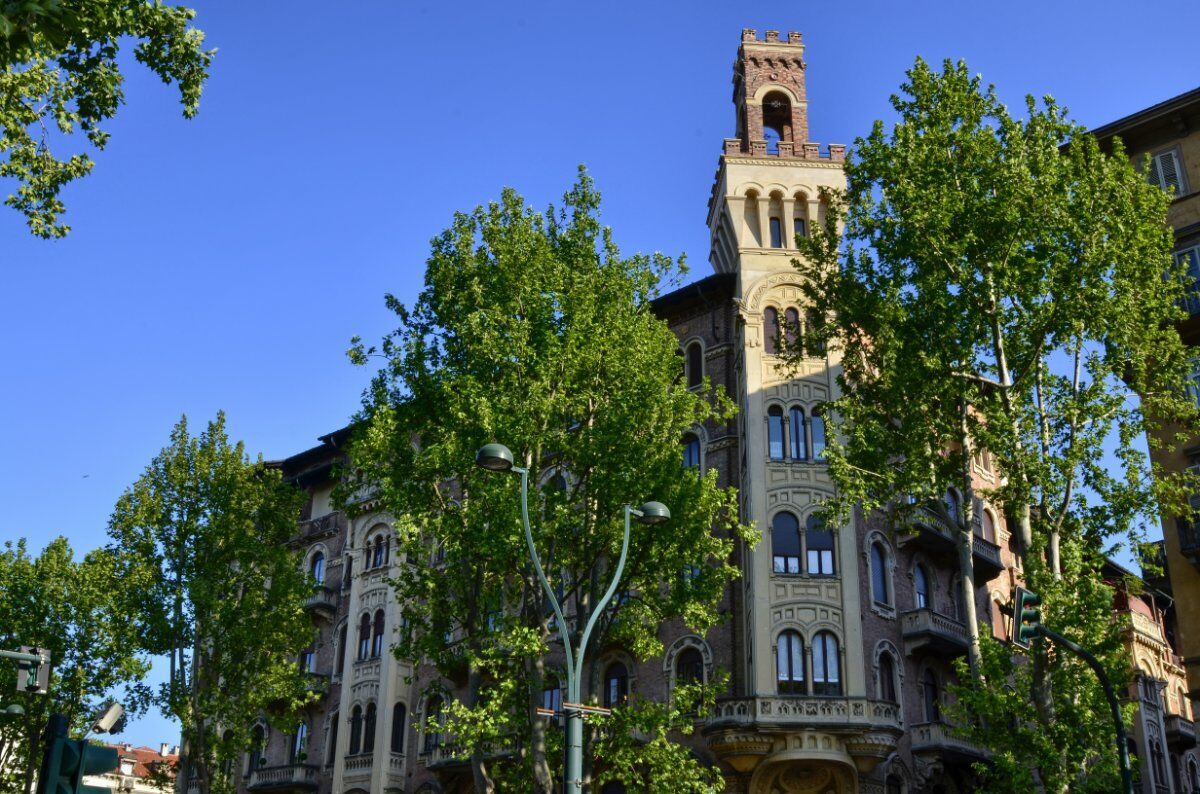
pixel 923 529
pixel 323 603
pixel 288 777
pixel 829 713
pixel 987 560
pixel 928 631
pixel 448 754
pixel 937 740
pixel 316 529
pixel 317 682
pixel 1181 733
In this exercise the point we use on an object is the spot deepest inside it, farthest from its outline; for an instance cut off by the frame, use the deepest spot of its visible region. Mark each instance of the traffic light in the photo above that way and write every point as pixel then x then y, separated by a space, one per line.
pixel 67 761
pixel 1026 617
pixel 34 676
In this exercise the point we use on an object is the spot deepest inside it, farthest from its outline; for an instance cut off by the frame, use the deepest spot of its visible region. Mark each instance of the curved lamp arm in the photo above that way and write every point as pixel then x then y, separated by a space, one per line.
pixel 602 603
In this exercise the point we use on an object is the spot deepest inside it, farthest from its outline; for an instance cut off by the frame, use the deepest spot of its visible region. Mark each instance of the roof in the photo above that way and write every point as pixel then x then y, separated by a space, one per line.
pixel 1153 113
pixel 718 286
pixel 145 758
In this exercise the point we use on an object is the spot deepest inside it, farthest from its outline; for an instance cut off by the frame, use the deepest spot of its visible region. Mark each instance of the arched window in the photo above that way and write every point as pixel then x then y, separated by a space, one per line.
pixel 812 333
pixel 791 329
pixel 377 636
pixel 921 587
pixel 369 555
pixel 1160 768
pixel 316 568
pixel 819 541
pixel 1193 775
pixel 369 729
pixel 433 724
pixel 770 330
pixel 331 749
pixel 776 448
pixel 776 118
pixel 398 715
pixel 1185 706
pixel 258 745
pixel 689 667
pixel 798 432
pixel 356 726
pixel 616 685
pixel 381 551
pixel 785 543
pixel 827 665
pixel 227 765
pixel 789 663
pixel 887 678
pixel 988 527
pixel 695 365
pixel 776 233
pixel 952 505
pixel 300 744
pixel 691 451
pixel 879 580
pixel 341 650
pixel 364 636
pixel 930 696
pixel 817 426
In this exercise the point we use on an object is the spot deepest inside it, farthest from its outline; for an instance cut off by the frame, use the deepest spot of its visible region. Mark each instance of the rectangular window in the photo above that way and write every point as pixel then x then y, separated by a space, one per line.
pixel 786 564
pixel 776 233
pixel 820 562
pixel 798 225
pixel 1166 171
pixel 1190 258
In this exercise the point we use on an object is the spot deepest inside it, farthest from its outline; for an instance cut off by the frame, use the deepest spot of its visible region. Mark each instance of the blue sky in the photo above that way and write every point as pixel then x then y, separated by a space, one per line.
pixel 225 262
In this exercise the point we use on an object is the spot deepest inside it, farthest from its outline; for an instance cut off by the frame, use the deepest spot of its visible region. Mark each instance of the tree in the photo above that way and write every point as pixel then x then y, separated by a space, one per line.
pixel 72 609
pixel 212 584
pixel 1006 288
pixel 535 331
pixel 61 72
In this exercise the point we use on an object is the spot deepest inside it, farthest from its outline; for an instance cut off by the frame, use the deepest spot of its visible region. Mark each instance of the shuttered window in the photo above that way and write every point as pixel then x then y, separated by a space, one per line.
pixel 1166 171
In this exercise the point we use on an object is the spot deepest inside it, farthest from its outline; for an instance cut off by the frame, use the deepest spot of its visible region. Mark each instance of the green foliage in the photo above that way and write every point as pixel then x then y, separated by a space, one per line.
pixel 1001 284
pixel 212 584
pixel 72 609
pixel 61 73
pixel 533 330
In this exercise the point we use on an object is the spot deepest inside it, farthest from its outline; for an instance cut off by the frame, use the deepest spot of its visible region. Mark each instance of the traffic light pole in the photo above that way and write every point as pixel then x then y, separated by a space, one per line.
pixel 1114 704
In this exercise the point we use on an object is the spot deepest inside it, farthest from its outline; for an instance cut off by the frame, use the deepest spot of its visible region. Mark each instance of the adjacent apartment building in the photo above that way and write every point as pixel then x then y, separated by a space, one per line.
pixel 839 641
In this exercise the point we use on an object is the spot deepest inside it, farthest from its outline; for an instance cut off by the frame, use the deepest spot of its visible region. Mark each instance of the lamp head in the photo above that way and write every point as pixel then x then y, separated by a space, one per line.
pixel 494 457
pixel 653 513
pixel 15 710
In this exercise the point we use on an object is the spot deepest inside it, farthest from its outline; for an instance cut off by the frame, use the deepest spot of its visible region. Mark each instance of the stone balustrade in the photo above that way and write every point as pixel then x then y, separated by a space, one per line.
pixel 808 712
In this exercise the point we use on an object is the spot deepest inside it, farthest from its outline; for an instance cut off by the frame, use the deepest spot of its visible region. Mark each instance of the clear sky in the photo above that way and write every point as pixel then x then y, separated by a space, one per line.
pixel 225 262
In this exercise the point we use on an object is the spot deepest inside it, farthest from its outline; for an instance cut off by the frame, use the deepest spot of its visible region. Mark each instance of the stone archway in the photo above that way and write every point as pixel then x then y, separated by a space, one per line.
pixel 803 777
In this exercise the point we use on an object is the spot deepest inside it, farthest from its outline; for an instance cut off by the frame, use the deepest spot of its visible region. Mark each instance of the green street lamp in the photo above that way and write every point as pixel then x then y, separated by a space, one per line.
pixel 497 457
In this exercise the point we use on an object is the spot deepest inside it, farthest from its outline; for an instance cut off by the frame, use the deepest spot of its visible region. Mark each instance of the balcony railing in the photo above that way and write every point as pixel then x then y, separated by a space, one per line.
pixel 1181 732
pixel 937 738
pixel 317 528
pixel 287 776
pixel 323 603
pixel 448 753
pixel 827 712
pixel 926 630
pixel 986 556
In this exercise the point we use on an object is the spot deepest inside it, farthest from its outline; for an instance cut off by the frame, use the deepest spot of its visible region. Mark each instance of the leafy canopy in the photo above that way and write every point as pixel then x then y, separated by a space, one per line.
pixel 61 73
pixel 533 330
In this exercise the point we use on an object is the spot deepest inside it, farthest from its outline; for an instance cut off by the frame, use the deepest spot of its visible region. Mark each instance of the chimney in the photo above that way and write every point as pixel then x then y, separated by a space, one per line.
pixel 163 748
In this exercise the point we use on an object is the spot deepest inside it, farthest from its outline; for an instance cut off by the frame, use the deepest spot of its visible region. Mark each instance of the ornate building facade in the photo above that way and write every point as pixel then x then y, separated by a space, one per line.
pixel 839 641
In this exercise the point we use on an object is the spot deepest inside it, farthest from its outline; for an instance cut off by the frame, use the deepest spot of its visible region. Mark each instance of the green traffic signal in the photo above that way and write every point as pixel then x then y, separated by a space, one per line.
pixel 1026 617
pixel 68 761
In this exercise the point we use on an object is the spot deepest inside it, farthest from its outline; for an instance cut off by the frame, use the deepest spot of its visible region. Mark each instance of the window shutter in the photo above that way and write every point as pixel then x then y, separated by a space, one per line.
pixel 1155 176
pixel 1169 168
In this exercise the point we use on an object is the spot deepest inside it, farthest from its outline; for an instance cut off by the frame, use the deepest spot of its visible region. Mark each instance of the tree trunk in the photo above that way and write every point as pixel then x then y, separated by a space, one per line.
pixel 543 781
pixel 966 554
pixel 479 774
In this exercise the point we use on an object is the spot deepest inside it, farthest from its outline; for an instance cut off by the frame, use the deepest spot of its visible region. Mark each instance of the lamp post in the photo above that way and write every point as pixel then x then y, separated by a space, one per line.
pixel 497 457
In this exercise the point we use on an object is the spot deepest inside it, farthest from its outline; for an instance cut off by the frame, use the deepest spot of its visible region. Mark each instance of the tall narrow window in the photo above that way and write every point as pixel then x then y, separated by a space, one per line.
pixel 369 555
pixel 689 667
pixel 616 685
pixel 879 582
pixel 1165 171
pixel 791 328
pixel 798 430
pixel 776 448
pixel 356 726
pixel 317 568
pixel 789 663
pixel 695 365
pixel 887 678
pixel 770 330
pixel 308 662
pixel 776 233
pixel 331 749
pixel 433 724
pixel 812 333
pixel 258 746
pixel 398 715
pixel 341 650
pixel 817 426
pixel 819 541
pixel 364 636
pixel 300 744
pixel 691 451
pixel 377 636
pixel 799 228
pixel 827 665
pixel 931 697
pixel 381 551
pixel 785 543
pixel 369 729
pixel 921 587
pixel 988 527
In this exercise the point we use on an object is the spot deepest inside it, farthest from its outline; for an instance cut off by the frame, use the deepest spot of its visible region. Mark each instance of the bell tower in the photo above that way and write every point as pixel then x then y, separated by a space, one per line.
pixel 768 92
